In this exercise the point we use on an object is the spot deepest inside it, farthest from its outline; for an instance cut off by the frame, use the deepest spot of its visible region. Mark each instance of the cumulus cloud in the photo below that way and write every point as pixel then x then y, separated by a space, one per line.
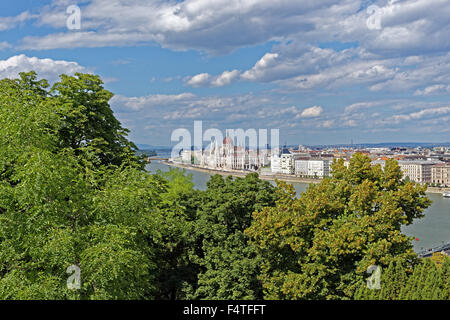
pixel 434 89
pixel 151 101
pixel 423 113
pixel 226 78
pixel 222 26
pixel 172 111
pixel 312 112
pixel 217 27
pixel 431 69
pixel 45 68
pixel 414 25
pixel 180 110
pixel 326 68
pixel 225 25
pixel 199 80
pixel 205 79
pixel 258 72
pixel 389 58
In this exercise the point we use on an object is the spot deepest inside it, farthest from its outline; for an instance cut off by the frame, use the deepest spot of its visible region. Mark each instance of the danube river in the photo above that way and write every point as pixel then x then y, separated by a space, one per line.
pixel 431 231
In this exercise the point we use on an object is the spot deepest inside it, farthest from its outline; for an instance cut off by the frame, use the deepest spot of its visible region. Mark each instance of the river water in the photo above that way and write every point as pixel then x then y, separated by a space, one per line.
pixel 431 231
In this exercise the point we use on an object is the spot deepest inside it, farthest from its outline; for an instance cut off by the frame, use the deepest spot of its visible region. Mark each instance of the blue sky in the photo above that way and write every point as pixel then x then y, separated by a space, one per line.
pixel 323 72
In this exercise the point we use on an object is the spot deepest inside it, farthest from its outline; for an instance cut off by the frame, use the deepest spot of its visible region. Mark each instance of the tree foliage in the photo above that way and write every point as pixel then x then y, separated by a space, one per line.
pixel 73 193
pixel 320 245
pixel 63 205
pixel 229 264
pixel 428 280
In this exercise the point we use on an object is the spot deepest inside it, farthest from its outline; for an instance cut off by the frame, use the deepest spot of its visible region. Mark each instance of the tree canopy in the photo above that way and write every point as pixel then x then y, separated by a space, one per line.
pixel 73 194
pixel 320 245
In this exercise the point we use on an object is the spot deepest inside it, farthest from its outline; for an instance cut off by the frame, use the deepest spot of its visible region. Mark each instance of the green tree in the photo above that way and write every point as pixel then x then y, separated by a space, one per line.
pixel 59 206
pixel 177 274
pixel 88 121
pixel 320 245
pixel 426 281
pixel 229 264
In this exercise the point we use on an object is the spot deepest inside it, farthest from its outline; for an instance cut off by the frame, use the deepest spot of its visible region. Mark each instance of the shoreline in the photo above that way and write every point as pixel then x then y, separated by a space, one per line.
pixel 241 174
pixel 267 177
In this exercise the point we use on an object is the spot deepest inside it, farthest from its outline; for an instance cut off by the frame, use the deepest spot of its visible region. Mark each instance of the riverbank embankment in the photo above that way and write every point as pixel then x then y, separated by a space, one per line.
pixel 286 178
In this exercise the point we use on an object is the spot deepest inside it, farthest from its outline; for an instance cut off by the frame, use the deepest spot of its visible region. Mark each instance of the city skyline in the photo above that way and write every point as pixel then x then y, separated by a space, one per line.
pixel 323 73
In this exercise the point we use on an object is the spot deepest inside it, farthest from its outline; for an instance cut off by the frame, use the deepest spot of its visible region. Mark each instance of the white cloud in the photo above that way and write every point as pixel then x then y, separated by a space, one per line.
pixel 151 101
pixel 199 80
pixel 45 68
pixel 425 113
pixel 172 111
pixel 420 25
pixel 7 23
pixel 222 26
pixel 346 74
pixel 362 105
pixel 432 69
pixel 434 89
pixel 259 70
pixel 408 51
pixel 226 78
pixel 312 112
pixel 178 107
pixel 218 26
pixel 205 79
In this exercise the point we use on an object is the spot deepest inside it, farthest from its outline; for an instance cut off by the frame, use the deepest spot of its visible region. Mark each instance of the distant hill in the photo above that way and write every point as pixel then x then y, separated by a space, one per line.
pixel 166 149
pixel 152 147
pixel 384 145
pixel 148 153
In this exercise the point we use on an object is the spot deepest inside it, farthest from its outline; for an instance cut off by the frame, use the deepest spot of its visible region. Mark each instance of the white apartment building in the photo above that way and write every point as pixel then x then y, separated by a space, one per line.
pixel 319 168
pixel 422 171
pixel 275 161
pixel 312 168
pixel 287 163
pixel 301 167
pixel 440 174
pixel 417 171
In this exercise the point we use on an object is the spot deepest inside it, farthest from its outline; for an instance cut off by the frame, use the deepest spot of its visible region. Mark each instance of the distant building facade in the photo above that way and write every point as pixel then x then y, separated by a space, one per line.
pixel 440 174
pixel 230 157
pixel 418 171
pixel 286 162
pixel 275 162
pixel 312 168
